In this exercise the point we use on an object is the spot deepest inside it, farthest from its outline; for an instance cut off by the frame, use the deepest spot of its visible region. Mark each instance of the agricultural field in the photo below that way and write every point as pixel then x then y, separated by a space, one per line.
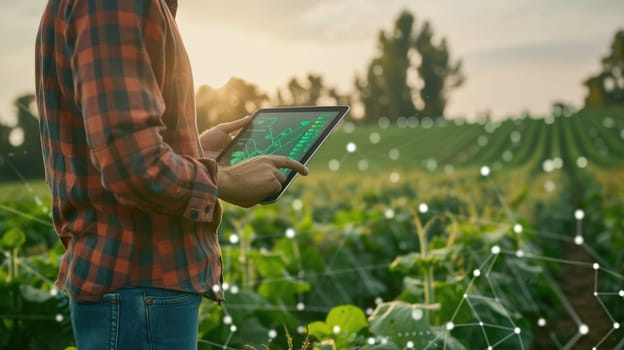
pixel 412 234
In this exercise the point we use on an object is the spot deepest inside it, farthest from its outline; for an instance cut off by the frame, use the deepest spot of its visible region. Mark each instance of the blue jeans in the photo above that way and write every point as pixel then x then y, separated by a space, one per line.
pixel 137 319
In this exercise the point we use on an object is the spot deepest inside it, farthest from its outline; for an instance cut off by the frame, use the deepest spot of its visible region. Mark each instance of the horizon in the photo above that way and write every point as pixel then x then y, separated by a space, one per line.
pixel 517 56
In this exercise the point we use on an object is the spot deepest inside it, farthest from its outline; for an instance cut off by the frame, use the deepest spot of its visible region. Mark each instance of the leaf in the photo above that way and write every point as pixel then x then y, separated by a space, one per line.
pixel 12 239
pixel 341 324
pixel 33 294
pixel 319 329
pixel 396 319
pixel 284 289
pixel 415 262
pixel 350 319
pixel 268 265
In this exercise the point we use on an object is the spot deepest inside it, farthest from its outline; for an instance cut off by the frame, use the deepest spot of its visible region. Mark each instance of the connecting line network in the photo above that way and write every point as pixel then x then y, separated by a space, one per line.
pixel 472 296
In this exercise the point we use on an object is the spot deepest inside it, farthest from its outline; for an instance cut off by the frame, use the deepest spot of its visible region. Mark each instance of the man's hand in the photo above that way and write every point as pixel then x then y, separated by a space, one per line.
pixel 248 183
pixel 215 139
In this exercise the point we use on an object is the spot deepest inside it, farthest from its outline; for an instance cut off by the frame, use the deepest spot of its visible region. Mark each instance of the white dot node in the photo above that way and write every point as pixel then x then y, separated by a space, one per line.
pixel 216 288
pixel 507 156
pixel 384 340
pixel 374 138
pixel 482 140
pixel 290 232
pixel 476 273
pixel 233 328
pixel 541 322
pixel 351 147
pixel 485 170
pixel 59 318
pixel 583 329
pixel 495 249
pixel 395 177
pixel 371 341
pixel 362 164
pixel 519 253
pixel 227 319
pixel 54 291
pixel 548 166
pixel 578 240
pixel 336 329
pixel 233 238
pixel 517 228
pixel 595 266
pixel 517 330
pixel 383 122
pixel 616 325
pixel 481 323
pixel 489 348
pixel 423 208
pixel 394 154
pixel 410 344
pixel 301 329
pixel 225 286
pixel 557 163
pixel 449 326
pixel 579 214
pixel 369 311
pixel 378 301
pixel 581 162
pixel 300 306
pixel 417 314
pixel 272 333
pixel 334 165
pixel 234 289
pixel 297 204
pixel 621 293
pixel 595 294
pixel 465 295
pixel 348 127
pixel 389 213
pixel 431 164
pixel 549 186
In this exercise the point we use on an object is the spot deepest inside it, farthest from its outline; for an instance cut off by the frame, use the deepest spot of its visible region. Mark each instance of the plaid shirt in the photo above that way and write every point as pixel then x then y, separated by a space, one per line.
pixel 133 200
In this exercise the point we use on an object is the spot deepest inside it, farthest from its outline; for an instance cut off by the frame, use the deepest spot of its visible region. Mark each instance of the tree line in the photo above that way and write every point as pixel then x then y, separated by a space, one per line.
pixel 411 75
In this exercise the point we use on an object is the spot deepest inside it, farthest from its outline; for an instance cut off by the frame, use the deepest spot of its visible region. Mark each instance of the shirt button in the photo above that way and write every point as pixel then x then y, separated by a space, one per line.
pixel 194 214
pixel 149 300
pixel 207 209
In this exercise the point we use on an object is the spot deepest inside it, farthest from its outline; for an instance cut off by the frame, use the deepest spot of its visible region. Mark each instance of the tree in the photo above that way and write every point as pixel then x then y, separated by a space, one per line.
pixel 607 87
pixel 234 100
pixel 412 75
pixel 306 94
pixel 437 72
pixel 311 92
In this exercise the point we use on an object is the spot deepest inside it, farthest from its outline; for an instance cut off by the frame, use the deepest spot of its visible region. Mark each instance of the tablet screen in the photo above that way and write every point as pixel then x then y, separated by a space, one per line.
pixel 295 132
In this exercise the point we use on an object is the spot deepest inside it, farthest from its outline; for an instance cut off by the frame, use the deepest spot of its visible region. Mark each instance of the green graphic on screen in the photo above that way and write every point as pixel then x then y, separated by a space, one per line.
pixel 292 135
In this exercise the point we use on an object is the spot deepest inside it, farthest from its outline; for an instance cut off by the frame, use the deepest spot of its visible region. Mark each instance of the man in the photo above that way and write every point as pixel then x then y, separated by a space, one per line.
pixel 134 196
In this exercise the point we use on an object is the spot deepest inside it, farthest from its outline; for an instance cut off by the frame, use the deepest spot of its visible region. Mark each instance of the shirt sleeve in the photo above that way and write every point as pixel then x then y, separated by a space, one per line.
pixel 111 44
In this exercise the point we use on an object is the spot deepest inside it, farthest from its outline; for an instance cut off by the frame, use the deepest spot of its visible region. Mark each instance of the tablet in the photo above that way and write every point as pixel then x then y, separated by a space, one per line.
pixel 295 132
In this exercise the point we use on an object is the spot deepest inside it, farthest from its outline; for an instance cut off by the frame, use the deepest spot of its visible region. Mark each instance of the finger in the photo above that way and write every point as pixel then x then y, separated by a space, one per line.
pixel 277 187
pixel 280 176
pixel 285 162
pixel 235 125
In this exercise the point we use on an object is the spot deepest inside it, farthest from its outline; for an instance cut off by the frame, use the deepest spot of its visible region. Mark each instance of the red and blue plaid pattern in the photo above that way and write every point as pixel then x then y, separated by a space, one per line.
pixel 133 200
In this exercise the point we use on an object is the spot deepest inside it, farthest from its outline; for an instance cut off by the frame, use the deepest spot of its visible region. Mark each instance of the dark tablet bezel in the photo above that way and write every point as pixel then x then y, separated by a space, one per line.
pixel 340 110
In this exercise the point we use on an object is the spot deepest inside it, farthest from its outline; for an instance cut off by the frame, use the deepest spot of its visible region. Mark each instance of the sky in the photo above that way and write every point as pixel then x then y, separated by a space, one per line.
pixel 517 55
